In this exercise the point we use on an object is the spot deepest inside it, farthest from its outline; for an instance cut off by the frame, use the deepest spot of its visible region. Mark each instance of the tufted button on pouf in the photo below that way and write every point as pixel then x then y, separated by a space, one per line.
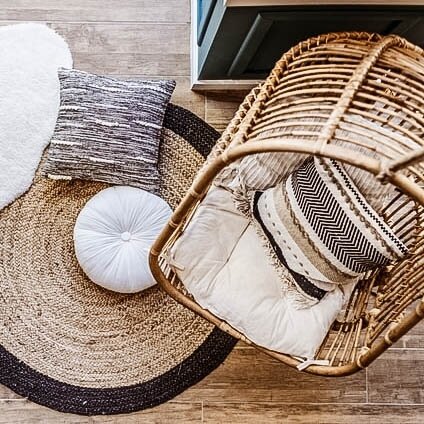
pixel 113 234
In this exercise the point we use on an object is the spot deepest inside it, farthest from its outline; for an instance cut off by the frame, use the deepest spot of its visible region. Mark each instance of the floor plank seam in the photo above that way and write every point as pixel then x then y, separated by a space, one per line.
pixel 333 405
pixel 48 21
pixel 277 402
pixel 206 108
pixel 202 403
pixel 366 386
pixel 412 349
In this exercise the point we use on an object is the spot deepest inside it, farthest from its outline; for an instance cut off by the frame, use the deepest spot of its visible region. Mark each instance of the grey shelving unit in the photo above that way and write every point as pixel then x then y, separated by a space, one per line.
pixel 238 45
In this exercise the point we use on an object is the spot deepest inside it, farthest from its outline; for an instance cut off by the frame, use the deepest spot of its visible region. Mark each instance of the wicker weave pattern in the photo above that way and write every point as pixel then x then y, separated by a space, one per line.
pixel 358 98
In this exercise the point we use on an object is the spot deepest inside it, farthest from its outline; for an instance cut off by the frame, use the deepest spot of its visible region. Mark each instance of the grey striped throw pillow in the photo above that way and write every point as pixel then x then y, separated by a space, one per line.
pixel 108 130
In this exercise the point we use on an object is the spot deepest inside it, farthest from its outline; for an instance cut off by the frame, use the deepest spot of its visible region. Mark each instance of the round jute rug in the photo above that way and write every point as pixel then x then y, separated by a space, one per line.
pixel 75 347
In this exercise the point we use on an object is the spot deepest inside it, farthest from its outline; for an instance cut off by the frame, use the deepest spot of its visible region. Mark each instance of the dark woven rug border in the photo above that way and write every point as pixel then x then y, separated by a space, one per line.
pixel 190 127
pixel 64 397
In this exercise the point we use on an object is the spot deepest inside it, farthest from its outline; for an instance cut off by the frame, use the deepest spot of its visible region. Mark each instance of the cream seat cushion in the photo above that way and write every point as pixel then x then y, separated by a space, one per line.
pixel 113 234
pixel 222 262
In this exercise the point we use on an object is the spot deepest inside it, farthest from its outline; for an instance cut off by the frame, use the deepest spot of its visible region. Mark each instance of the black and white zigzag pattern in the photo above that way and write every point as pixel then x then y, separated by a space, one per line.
pixel 367 208
pixel 336 231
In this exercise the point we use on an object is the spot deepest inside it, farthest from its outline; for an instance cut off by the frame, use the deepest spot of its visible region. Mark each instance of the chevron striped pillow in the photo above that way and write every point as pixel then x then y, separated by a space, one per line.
pixel 318 225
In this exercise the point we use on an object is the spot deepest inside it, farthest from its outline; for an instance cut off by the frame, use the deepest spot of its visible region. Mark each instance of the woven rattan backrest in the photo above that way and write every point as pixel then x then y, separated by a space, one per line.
pixel 353 97
pixel 363 92
pixel 346 89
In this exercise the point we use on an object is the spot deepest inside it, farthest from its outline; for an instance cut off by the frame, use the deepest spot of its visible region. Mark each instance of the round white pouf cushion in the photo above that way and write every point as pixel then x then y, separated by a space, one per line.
pixel 113 234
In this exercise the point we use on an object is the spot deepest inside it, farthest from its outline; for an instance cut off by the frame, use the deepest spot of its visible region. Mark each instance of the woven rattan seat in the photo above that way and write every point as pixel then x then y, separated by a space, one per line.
pixel 309 97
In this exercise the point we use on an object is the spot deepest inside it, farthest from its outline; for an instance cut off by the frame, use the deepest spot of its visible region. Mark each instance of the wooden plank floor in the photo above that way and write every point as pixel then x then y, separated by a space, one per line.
pixel 144 38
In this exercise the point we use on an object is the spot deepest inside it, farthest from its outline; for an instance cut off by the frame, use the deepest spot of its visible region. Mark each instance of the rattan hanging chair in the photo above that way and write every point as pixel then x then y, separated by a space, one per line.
pixel 333 76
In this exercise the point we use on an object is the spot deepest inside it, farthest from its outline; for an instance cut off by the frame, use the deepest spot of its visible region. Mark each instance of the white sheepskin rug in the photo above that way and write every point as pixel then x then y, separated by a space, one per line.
pixel 30 55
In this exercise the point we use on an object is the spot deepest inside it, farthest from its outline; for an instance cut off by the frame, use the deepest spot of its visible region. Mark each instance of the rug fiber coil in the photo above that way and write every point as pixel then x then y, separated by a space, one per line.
pixel 75 347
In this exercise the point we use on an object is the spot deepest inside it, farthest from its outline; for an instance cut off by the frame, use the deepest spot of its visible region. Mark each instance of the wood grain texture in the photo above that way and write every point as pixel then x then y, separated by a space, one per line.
pixel 128 48
pixel 248 375
pixel 7 394
pixel 126 38
pixel 171 412
pixel 151 49
pixel 397 377
pixel 310 413
pixel 96 11
pixel 188 99
pixel 221 105
pixel 25 412
pixel 414 338
pixel 150 64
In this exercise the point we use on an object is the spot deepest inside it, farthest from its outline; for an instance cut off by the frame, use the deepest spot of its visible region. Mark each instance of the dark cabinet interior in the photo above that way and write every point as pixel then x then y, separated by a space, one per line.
pixel 245 42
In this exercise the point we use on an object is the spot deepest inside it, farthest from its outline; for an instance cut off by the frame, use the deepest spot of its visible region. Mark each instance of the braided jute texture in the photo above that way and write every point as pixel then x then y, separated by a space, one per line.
pixel 73 346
